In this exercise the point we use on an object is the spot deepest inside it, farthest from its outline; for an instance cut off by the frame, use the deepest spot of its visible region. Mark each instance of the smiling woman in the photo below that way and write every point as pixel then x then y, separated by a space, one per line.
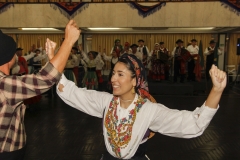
pixel 128 113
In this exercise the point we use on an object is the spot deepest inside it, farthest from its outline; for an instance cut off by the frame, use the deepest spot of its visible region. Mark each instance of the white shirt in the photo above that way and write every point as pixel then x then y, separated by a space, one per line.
pixel 155 116
pixel 90 63
pixel 100 63
pixel 110 59
pixel 139 55
pixel 140 49
pixel 193 50
pixel 208 53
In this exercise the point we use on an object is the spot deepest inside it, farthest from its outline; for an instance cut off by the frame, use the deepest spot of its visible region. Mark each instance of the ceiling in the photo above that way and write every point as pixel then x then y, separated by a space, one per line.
pixel 132 30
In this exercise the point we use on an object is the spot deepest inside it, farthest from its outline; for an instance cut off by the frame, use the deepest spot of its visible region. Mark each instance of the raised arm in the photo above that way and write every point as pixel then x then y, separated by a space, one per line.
pixel 219 83
pixel 72 33
pixel 29 85
pixel 182 124
pixel 88 101
pixel 188 124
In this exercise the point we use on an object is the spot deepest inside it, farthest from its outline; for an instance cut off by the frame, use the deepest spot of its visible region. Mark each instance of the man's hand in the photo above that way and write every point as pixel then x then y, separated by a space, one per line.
pixel 50 48
pixel 72 32
pixel 219 79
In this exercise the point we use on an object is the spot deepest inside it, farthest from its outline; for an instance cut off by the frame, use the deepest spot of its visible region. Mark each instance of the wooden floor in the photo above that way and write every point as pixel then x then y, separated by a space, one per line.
pixel 56 131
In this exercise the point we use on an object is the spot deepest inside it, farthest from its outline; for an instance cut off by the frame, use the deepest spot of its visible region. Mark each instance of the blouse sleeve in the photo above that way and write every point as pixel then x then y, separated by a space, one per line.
pixel 88 101
pixel 182 124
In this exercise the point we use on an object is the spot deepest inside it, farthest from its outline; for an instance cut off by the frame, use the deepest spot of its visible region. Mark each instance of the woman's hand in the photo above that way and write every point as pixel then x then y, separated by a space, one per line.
pixel 50 48
pixel 219 79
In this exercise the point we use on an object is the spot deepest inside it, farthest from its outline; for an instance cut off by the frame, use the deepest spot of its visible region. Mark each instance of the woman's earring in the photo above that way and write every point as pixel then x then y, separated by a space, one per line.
pixel 133 90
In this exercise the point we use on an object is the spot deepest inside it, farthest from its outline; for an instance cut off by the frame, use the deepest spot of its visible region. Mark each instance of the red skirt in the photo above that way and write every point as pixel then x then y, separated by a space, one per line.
pixel 99 75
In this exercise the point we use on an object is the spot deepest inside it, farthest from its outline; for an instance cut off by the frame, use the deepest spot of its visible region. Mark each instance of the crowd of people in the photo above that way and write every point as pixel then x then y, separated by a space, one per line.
pixel 129 112
pixel 85 69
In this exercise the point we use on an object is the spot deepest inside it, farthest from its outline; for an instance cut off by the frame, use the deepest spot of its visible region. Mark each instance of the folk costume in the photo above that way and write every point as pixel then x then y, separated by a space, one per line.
pixel 118 48
pixel 209 52
pixel 68 70
pixel 124 129
pixel 143 49
pixel 126 49
pixel 181 57
pixel 159 59
pixel 165 60
pixel 113 61
pixel 193 50
pixel 90 80
pixel 99 67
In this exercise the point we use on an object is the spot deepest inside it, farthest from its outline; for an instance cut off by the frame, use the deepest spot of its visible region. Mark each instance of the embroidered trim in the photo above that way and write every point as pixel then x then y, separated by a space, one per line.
pixel 119 131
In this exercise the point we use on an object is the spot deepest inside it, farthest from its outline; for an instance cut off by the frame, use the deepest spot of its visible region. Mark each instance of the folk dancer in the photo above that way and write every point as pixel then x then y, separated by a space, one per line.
pixel 68 70
pixel 90 80
pixel 82 67
pixel 181 57
pixel 142 48
pixel 165 59
pixel 128 112
pixel 209 52
pixel 113 59
pixel 193 50
pixel 99 67
pixel 126 48
pixel 157 68
pixel 118 48
pixel 74 53
pixel 13 139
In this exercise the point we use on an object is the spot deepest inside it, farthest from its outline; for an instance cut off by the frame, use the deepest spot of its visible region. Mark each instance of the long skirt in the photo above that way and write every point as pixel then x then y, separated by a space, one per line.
pixel 70 75
pixel 90 80
pixel 158 70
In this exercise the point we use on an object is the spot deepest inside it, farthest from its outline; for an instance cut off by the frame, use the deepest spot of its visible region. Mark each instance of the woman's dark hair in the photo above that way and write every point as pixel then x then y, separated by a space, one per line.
pixel 93 53
pixel 129 66
pixel 129 60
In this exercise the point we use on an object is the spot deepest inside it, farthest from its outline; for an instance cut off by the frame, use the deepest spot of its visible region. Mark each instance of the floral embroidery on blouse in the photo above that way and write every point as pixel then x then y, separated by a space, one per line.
pixel 119 131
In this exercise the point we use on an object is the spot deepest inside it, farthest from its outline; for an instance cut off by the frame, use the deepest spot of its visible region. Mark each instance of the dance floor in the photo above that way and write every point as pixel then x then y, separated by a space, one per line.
pixel 56 131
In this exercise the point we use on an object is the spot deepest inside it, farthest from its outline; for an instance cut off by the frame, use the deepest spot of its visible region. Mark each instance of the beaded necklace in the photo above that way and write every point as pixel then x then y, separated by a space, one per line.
pixel 119 131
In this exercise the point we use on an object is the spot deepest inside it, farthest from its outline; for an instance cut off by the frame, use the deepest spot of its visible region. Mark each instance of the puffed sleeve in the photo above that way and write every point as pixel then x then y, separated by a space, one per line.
pixel 88 101
pixel 182 124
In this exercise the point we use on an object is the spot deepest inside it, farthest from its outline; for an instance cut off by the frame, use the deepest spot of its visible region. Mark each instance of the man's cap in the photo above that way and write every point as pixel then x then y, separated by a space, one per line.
pixel 7 48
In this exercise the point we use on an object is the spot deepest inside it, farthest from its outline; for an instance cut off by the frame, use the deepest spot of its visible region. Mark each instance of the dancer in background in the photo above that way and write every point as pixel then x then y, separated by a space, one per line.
pixel 68 70
pixel 157 68
pixel 90 80
pixel 113 59
pixel 99 67
pixel 117 47
pixel 193 50
pixel 142 48
pixel 209 52
pixel 164 58
pixel 181 57
pixel 126 48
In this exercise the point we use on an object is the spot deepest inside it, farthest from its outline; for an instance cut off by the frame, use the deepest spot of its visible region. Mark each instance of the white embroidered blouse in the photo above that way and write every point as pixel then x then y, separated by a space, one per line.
pixel 155 116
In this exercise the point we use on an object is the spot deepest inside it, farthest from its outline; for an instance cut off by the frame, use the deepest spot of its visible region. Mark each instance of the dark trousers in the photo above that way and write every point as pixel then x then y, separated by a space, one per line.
pixel 191 74
pixel 139 155
pixel 208 67
pixel 14 155
pixel 177 70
